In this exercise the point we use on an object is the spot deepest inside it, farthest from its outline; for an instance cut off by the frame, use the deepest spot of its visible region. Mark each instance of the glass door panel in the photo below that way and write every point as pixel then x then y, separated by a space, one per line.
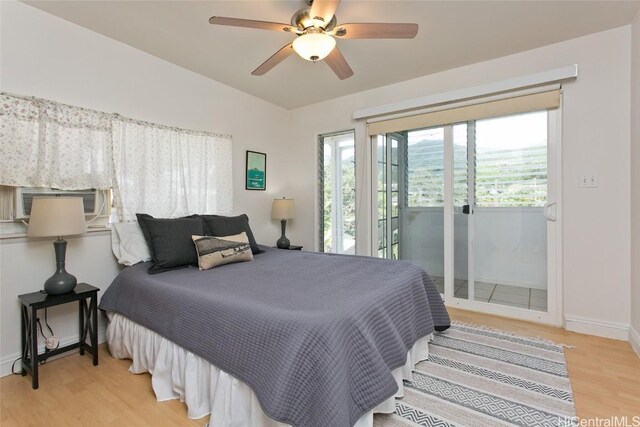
pixel 510 229
pixel 422 216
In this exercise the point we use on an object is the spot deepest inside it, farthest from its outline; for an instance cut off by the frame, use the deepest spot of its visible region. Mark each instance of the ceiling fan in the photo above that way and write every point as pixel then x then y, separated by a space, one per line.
pixel 316 29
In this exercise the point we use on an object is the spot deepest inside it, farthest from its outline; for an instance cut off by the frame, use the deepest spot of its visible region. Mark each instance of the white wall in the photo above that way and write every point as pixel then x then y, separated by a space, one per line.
pixel 47 57
pixel 595 132
pixel 635 185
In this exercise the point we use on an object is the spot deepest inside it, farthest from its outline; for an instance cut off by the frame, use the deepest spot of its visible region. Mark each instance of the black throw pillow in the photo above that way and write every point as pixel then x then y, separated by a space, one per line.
pixel 169 241
pixel 219 226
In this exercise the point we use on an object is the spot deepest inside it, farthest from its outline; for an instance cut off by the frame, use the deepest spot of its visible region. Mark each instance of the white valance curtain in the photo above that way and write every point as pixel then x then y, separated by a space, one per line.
pixel 47 144
pixel 163 171
pixel 169 172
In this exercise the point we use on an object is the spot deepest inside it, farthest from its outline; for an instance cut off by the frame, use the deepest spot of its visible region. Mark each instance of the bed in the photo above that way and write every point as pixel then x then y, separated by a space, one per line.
pixel 290 338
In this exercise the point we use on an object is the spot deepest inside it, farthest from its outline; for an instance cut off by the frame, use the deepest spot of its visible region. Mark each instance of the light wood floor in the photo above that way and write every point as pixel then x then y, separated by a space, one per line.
pixel 605 376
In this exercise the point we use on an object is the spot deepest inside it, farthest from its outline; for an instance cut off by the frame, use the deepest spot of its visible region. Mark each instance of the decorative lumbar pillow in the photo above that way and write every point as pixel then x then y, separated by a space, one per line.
pixel 169 241
pixel 218 226
pixel 214 251
pixel 128 243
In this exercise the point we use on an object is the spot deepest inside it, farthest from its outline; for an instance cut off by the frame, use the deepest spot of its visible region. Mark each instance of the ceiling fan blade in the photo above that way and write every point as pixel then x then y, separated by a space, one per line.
pixel 275 59
pixel 338 64
pixel 375 31
pixel 249 23
pixel 324 9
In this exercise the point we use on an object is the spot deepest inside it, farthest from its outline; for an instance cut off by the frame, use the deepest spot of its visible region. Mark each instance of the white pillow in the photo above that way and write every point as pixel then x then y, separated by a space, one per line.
pixel 128 243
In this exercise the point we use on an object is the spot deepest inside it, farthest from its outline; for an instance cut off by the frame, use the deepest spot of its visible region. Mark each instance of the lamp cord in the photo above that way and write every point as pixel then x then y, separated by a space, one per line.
pixel 39 327
pixel 104 202
pixel 46 322
pixel 40 330
pixel 13 365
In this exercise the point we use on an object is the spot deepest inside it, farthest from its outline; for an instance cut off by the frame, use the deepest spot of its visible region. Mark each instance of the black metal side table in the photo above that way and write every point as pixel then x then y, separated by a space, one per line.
pixel 88 317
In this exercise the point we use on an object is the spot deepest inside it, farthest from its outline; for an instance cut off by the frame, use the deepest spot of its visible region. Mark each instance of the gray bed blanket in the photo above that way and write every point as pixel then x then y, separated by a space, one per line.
pixel 315 336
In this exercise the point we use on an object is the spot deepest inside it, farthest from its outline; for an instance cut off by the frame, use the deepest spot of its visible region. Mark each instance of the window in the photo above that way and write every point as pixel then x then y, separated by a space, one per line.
pixel 164 171
pixel 337 193
pixel 425 166
pixel 511 161
pixel 390 153
pixel 382 197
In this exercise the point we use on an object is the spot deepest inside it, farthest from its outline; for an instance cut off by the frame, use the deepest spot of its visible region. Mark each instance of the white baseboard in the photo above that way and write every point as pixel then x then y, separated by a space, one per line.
pixel 600 328
pixel 634 340
pixel 7 361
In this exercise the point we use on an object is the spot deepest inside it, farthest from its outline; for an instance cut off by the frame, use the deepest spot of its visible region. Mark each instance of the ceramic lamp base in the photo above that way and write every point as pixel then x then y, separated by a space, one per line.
pixel 283 242
pixel 61 282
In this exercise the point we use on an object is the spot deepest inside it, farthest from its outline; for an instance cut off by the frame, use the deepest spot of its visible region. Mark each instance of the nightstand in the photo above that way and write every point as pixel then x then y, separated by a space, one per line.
pixel 291 248
pixel 87 297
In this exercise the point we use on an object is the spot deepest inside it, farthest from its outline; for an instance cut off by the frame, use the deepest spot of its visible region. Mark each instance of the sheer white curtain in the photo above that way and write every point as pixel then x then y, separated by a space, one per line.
pixel 47 144
pixel 169 172
pixel 154 169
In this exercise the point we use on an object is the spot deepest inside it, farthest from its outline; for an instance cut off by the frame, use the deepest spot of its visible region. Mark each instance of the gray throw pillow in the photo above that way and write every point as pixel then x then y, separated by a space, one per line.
pixel 218 225
pixel 169 241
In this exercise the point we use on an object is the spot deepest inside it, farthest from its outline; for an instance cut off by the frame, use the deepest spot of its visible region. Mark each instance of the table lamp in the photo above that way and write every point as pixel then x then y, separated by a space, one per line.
pixel 57 216
pixel 282 209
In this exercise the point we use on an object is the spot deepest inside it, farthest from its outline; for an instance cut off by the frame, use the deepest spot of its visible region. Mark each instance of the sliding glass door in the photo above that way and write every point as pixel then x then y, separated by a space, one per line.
pixel 510 223
pixel 473 203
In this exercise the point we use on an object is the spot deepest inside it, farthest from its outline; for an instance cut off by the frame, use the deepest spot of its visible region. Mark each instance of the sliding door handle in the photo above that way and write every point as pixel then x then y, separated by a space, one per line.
pixel 546 210
pixel 466 210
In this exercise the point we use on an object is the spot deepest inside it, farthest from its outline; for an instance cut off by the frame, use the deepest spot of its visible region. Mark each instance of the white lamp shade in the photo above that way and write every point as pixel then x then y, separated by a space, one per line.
pixel 56 216
pixel 314 46
pixel 282 209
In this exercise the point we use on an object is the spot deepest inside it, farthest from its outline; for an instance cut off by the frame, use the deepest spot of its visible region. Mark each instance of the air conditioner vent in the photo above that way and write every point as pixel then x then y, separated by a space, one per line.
pixel 25 196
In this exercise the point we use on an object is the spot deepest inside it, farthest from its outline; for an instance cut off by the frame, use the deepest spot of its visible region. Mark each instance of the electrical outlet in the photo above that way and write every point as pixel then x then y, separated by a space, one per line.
pixel 588 181
pixel 52 342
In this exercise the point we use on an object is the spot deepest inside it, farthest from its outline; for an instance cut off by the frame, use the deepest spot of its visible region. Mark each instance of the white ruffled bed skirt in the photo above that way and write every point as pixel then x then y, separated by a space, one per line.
pixel 179 374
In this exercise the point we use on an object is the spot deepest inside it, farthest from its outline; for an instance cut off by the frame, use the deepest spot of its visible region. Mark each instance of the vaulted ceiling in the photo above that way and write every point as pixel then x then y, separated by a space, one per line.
pixel 451 34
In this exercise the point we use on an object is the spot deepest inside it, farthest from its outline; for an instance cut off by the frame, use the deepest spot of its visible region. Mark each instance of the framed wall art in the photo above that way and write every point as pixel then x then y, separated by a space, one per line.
pixel 256 171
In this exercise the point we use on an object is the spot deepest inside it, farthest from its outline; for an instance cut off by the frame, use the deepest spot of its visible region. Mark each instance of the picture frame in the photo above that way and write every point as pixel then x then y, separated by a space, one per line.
pixel 256 171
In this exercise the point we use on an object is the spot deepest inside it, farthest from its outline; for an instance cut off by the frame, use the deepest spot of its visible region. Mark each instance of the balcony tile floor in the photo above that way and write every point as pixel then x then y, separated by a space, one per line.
pixel 514 296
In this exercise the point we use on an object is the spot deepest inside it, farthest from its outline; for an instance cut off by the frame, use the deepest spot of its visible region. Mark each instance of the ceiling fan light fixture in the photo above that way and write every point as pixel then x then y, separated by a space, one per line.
pixel 314 46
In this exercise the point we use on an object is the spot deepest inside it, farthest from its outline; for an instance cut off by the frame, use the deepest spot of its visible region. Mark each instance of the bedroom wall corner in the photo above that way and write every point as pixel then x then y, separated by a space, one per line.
pixel 64 62
pixel 634 332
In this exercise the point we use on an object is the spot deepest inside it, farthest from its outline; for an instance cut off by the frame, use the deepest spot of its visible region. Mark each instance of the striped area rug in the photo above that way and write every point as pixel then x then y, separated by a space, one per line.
pixel 478 377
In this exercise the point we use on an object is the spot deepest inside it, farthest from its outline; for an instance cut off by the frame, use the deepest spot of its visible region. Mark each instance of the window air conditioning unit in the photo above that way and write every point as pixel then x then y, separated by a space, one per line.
pixel 91 199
